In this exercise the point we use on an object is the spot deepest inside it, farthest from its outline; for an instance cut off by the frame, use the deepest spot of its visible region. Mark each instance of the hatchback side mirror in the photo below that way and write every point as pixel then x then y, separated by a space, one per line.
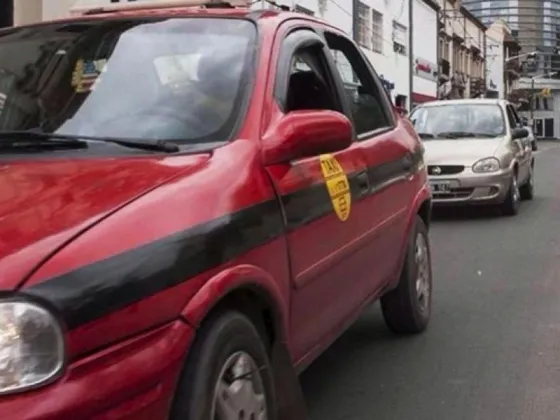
pixel 519 133
pixel 306 133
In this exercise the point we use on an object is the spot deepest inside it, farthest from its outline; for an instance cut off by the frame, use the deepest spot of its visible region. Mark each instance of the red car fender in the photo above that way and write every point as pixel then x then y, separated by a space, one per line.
pixel 235 278
pixel 423 196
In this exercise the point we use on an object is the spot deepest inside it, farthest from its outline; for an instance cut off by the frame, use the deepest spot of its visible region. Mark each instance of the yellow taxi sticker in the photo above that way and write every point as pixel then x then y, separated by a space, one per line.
pixel 337 185
pixel 86 73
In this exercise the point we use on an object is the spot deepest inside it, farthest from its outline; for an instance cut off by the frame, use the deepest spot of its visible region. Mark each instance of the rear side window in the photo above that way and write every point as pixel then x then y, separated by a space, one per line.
pixel 367 101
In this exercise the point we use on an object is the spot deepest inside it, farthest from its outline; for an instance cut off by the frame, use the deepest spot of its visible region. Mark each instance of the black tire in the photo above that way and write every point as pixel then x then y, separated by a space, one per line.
pixel 218 340
pixel 403 309
pixel 527 190
pixel 534 146
pixel 510 206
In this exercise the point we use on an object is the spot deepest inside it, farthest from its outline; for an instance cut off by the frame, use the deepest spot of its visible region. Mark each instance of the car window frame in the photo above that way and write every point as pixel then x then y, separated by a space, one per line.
pixel 382 94
pixel 300 37
pixel 515 115
pixel 510 113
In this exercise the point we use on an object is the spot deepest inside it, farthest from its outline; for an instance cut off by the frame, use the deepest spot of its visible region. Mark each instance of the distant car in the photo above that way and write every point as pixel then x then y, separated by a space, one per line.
pixel 476 152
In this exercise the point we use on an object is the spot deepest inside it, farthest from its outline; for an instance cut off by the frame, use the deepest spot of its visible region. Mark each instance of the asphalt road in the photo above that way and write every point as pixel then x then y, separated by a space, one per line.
pixel 492 350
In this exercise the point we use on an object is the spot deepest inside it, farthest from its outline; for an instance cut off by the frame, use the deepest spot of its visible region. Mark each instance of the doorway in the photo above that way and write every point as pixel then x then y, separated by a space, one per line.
pixel 6 13
pixel 544 127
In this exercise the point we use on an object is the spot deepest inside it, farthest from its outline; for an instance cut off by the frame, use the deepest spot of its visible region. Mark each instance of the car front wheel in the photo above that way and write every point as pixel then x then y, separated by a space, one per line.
pixel 527 191
pixel 407 308
pixel 510 206
pixel 227 374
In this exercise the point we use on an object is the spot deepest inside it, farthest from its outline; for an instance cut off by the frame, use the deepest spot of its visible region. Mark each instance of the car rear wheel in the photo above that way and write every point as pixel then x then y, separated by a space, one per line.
pixel 527 191
pixel 407 308
pixel 534 146
pixel 510 206
pixel 227 375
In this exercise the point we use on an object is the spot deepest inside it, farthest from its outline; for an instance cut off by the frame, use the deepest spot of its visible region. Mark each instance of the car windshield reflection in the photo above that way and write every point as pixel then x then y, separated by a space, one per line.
pixel 459 121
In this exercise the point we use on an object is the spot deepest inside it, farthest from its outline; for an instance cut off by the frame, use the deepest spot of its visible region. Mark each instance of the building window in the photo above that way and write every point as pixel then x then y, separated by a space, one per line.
pixel 364 28
pixel 304 10
pixel 377 31
pixel 399 38
pixel 543 104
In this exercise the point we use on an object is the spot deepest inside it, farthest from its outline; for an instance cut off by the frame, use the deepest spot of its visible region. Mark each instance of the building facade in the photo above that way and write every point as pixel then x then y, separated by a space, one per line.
pixel 425 51
pixel 534 23
pixel 462 52
pixel 503 64
pixel 381 28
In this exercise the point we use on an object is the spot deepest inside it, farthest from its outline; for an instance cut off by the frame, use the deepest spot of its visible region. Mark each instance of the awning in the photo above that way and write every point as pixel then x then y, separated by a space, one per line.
pixel 419 98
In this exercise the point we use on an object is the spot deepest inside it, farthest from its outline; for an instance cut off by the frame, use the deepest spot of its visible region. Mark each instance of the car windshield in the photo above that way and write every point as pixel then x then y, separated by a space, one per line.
pixel 459 120
pixel 180 79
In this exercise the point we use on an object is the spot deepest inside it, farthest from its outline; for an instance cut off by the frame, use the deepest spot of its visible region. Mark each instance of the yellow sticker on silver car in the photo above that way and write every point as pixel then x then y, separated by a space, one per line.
pixel 337 186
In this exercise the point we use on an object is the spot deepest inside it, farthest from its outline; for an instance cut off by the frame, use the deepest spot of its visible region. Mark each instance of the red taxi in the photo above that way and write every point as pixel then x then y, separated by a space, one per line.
pixel 195 201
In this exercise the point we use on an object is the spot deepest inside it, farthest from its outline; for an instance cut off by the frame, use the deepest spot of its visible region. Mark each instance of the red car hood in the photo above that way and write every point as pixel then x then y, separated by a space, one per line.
pixel 44 204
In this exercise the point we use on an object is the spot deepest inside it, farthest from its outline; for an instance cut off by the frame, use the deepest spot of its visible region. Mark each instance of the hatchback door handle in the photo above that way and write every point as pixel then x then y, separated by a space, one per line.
pixel 407 163
pixel 363 183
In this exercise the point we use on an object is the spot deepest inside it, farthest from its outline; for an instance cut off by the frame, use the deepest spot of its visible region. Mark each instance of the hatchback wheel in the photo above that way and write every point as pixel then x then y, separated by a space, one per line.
pixel 510 206
pixel 527 191
pixel 407 308
pixel 227 374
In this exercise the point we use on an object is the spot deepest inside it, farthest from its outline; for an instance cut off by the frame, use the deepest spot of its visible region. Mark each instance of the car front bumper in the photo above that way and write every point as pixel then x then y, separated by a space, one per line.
pixel 473 188
pixel 133 380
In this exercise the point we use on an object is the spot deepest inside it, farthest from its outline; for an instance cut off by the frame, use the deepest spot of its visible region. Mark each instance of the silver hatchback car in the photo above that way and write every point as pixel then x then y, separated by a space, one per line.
pixel 477 152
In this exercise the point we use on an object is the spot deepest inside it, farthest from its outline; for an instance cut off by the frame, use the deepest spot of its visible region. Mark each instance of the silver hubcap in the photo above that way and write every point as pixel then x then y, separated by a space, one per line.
pixel 422 259
pixel 515 189
pixel 239 392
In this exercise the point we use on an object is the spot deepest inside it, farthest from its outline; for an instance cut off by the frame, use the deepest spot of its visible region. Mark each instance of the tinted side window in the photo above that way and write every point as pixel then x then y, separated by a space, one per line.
pixel 363 93
pixel 308 85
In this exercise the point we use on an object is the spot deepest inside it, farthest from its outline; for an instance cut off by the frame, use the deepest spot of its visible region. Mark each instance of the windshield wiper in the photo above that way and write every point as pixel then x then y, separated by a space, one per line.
pixel 24 138
pixel 455 134
pixel 426 136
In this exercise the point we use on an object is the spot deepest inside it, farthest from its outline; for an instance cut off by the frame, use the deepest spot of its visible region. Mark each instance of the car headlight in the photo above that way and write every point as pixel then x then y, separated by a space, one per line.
pixel 490 164
pixel 32 349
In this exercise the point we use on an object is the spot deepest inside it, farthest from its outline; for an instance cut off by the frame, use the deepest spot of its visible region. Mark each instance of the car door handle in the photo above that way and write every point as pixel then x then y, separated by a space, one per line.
pixel 407 163
pixel 363 183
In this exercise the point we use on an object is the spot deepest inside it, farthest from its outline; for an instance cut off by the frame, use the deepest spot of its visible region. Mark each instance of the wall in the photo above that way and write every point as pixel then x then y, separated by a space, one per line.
pixel 425 46
pixel 55 9
pixel 392 66
pixel 27 11
pixel 495 61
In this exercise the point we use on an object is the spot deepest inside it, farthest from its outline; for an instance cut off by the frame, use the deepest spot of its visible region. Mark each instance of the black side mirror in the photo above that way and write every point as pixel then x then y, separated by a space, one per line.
pixel 519 133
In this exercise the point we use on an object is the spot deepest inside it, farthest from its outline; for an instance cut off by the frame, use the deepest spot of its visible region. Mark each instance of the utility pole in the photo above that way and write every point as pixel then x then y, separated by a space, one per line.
pixel 532 98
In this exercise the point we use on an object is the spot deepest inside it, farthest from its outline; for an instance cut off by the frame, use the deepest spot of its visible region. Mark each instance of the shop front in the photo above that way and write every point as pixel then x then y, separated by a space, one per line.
pixel 425 81
pixel 6 13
